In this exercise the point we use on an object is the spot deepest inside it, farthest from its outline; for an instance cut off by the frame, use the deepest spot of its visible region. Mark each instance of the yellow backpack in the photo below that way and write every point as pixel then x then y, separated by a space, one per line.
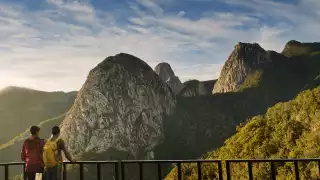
pixel 50 152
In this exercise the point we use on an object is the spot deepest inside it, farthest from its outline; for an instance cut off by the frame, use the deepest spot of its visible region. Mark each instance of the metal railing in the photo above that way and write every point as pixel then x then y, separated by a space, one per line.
pixel 119 167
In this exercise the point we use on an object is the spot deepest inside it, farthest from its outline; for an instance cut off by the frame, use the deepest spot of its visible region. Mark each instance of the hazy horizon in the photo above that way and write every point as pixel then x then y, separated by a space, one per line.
pixel 51 45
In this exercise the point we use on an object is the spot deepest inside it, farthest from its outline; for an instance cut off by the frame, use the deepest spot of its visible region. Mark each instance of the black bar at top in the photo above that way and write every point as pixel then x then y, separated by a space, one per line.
pixel 179 171
pixel 296 170
pixel 220 171
pixel 250 170
pixel 199 171
pixel 273 171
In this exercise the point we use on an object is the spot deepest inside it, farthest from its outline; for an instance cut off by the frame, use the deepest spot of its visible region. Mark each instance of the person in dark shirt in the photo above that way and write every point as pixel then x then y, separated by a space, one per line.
pixel 31 154
pixel 54 173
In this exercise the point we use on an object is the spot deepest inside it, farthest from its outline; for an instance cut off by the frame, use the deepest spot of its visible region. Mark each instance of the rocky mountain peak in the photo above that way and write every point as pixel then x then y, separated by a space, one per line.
pixel 164 70
pixel 166 73
pixel 121 106
pixel 245 59
pixel 296 48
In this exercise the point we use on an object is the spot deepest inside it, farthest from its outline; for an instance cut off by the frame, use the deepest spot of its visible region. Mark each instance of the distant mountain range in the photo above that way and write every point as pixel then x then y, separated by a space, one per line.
pixel 127 110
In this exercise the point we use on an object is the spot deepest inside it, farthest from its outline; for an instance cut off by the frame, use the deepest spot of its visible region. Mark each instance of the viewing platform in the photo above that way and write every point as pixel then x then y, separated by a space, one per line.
pixel 224 167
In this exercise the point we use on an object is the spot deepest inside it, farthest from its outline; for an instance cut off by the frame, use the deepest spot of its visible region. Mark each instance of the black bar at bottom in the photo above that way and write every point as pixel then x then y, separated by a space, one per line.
pixel 99 171
pixel 220 170
pixel 179 171
pixel 273 171
pixel 81 172
pixel 141 170
pixel 250 170
pixel 6 172
pixel 228 170
pixel 296 170
pixel 199 171
pixel 159 172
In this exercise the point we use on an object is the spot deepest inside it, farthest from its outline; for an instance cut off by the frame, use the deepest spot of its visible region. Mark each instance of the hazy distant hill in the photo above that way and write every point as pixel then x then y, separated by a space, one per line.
pixel 21 107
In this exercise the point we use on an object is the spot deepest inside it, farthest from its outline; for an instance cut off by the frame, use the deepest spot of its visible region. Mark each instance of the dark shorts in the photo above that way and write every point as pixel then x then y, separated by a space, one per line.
pixel 53 173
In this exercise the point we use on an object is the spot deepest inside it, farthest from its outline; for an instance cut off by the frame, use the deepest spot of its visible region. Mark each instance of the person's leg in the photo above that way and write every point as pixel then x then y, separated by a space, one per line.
pixel 30 176
pixel 48 174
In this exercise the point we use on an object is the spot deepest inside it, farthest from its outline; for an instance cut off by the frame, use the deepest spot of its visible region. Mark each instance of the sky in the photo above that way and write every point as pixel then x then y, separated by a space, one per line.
pixel 52 45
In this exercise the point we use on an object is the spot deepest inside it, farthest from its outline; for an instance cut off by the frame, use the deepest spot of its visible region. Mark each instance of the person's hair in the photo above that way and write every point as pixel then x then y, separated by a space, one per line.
pixel 34 130
pixel 55 130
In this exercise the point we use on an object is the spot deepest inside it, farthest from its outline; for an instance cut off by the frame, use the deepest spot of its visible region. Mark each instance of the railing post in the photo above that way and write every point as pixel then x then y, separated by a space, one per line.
pixel 24 171
pixel 64 171
pixel 220 170
pixel 159 172
pixel 319 168
pixel 141 170
pixel 122 171
pixel 98 171
pixel 179 171
pixel 296 169
pixel 273 171
pixel 250 170
pixel 116 170
pixel 228 170
pixel 199 170
pixel 81 172
pixel 6 172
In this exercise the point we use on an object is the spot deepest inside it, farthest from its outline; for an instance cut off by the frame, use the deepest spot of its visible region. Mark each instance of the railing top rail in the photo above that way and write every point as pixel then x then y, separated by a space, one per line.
pixel 178 161
pixel 170 161
pixel 12 163
pixel 272 160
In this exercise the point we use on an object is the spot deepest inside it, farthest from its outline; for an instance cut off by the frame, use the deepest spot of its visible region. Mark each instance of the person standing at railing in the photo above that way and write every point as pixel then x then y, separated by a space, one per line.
pixel 31 154
pixel 52 155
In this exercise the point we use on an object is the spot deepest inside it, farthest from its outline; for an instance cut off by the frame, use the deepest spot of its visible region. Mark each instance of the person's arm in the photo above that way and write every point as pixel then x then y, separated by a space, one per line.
pixel 65 151
pixel 23 152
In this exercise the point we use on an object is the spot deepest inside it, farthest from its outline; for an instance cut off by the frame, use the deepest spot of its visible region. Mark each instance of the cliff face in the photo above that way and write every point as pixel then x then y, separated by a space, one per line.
pixel 194 88
pixel 296 48
pixel 121 106
pixel 166 73
pixel 244 60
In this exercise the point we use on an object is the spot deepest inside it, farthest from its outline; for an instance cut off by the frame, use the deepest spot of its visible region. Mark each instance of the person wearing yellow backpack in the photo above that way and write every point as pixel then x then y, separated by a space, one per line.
pixel 52 155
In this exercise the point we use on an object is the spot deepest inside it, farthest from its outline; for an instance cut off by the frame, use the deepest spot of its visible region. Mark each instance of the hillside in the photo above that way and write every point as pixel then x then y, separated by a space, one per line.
pixel 287 130
pixel 21 107
pixel 202 119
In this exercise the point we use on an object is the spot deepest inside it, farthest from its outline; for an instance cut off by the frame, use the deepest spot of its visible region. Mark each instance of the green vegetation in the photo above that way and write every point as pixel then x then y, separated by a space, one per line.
pixel 20 108
pixel 287 130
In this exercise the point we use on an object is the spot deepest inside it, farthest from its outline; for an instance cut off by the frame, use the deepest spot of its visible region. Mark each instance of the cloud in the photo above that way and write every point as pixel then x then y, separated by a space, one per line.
pixel 54 48
pixel 152 6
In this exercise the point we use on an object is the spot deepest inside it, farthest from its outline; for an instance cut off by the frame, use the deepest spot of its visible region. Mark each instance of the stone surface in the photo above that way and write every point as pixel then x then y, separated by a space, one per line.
pixel 121 106
pixel 166 73
pixel 245 59
pixel 194 88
